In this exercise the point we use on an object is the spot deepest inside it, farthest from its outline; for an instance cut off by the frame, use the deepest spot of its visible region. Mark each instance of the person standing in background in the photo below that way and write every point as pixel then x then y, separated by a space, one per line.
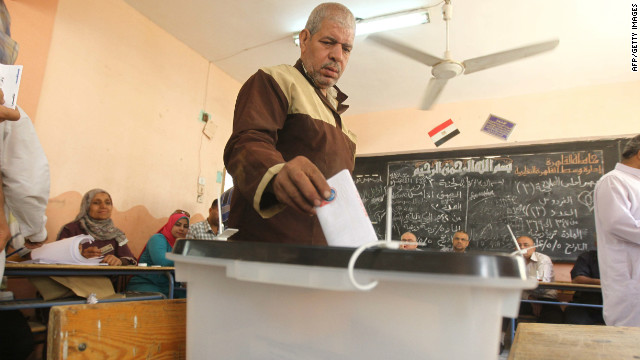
pixel 24 193
pixel 617 213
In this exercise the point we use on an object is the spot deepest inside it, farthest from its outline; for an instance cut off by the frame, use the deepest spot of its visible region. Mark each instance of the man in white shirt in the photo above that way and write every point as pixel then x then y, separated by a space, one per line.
pixel 617 214
pixel 540 267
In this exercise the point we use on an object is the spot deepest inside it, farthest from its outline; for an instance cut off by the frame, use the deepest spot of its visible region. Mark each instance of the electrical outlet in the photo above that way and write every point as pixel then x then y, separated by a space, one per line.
pixel 200 199
pixel 204 116
pixel 200 189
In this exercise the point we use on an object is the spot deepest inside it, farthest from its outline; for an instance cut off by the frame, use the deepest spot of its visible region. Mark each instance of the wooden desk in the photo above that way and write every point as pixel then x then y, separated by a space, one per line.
pixel 558 285
pixel 27 270
pixel 552 341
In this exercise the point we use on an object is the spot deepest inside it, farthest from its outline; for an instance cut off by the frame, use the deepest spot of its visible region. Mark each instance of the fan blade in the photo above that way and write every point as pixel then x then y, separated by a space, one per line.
pixel 405 50
pixel 488 61
pixel 433 91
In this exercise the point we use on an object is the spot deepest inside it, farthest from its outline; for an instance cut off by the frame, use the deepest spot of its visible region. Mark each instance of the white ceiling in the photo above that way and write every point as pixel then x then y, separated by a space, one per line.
pixel 241 36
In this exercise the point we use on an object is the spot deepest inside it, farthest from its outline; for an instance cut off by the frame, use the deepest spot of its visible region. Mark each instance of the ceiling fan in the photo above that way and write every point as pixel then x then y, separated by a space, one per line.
pixel 447 68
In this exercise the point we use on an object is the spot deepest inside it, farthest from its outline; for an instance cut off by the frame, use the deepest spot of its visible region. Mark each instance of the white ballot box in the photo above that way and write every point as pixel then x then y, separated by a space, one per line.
pixel 248 300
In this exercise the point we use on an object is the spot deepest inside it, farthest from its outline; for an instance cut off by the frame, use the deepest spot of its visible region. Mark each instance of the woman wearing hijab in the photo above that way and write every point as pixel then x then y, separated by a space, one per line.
pixel 94 219
pixel 155 252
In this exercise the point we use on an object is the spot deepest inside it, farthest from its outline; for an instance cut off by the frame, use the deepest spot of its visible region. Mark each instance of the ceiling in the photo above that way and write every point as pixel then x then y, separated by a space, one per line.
pixel 241 36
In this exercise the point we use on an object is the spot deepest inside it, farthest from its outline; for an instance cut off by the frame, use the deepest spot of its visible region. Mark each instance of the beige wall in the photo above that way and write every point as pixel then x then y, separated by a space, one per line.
pixel 596 111
pixel 31 26
pixel 119 110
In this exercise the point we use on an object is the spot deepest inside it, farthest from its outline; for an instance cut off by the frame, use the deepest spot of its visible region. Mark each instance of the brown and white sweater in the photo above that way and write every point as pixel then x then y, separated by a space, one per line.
pixel 279 115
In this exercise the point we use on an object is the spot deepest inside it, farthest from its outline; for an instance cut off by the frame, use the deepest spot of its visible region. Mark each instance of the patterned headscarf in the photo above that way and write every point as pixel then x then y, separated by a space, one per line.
pixel 8 46
pixel 99 229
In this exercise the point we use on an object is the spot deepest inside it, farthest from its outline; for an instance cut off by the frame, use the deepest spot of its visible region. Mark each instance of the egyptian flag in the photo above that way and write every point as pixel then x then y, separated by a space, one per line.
pixel 443 132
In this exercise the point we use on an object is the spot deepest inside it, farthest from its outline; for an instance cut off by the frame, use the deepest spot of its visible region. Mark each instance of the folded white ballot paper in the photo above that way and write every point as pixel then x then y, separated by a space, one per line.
pixel 10 76
pixel 64 251
pixel 344 219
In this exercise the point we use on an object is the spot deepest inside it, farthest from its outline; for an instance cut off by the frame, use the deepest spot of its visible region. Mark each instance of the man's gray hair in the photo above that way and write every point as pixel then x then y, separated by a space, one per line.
pixel 332 11
pixel 632 148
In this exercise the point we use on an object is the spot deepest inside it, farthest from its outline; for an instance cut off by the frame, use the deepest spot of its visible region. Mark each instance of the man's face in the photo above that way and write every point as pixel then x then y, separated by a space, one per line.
pixel 213 216
pixel 526 242
pixel 460 241
pixel 409 238
pixel 325 54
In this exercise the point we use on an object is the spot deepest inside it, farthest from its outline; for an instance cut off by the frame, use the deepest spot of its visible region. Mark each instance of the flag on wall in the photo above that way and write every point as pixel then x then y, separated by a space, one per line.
pixel 443 132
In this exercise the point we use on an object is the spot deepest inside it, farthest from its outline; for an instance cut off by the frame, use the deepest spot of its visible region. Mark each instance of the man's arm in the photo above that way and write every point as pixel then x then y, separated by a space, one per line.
pixel 582 273
pixel 585 280
pixel 612 205
pixel 25 173
pixel 258 168
pixel 5 234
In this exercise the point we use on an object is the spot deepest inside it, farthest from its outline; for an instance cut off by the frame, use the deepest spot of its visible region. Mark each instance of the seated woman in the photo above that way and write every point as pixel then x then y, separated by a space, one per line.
pixel 154 254
pixel 94 219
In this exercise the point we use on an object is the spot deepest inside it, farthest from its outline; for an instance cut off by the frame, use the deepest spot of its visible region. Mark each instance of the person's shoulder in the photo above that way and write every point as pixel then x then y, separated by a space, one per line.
pixel 157 238
pixel 542 257
pixel 200 224
pixel 72 229
pixel 282 68
pixel 283 74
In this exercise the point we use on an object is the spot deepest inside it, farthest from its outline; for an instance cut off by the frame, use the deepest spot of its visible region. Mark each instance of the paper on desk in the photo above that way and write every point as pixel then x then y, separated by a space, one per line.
pixel 64 251
pixel 344 219
pixel 10 76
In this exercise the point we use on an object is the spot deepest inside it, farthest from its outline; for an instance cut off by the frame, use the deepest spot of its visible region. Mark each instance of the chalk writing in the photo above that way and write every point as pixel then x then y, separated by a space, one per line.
pixel 547 196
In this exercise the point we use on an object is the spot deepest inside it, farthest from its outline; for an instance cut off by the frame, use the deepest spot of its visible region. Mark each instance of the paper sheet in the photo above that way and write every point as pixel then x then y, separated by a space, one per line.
pixel 64 251
pixel 10 76
pixel 344 219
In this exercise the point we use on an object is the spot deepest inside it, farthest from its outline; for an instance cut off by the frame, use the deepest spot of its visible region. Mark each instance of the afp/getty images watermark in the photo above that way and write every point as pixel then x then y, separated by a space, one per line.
pixel 634 37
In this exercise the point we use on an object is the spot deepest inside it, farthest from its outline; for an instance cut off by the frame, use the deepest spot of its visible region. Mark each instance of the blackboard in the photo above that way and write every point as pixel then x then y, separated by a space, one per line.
pixel 544 191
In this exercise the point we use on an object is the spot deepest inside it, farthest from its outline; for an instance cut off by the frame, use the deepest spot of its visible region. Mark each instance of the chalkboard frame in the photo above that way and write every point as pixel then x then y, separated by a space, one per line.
pixel 378 164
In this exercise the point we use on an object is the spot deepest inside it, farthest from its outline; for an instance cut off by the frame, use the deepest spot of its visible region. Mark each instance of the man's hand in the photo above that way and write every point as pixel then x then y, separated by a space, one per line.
pixel 5 112
pixel 301 185
pixel 5 234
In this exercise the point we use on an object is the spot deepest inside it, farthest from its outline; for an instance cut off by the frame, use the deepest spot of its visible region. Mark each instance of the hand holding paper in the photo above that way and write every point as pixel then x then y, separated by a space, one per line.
pixel 344 219
pixel 10 76
pixel 296 184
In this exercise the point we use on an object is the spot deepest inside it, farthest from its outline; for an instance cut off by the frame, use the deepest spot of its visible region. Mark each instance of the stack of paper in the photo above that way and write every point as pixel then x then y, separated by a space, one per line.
pixel 64 251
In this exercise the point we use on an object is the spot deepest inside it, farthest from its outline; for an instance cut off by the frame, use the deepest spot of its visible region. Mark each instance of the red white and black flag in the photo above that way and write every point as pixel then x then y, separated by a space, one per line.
pixel 443 132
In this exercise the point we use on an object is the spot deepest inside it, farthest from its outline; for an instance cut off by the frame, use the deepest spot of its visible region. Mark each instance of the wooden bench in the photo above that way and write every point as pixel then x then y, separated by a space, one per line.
pixel 143 329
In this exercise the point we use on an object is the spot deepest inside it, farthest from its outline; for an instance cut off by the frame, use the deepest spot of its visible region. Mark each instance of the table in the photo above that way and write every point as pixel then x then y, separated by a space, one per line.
pixel 555 341
pixel 26 270
pixel 559 285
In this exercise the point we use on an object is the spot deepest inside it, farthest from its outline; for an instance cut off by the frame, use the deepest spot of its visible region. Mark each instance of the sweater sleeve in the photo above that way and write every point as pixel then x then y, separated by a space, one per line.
pixel 250 154
pixel 25 173
pixel 126 256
